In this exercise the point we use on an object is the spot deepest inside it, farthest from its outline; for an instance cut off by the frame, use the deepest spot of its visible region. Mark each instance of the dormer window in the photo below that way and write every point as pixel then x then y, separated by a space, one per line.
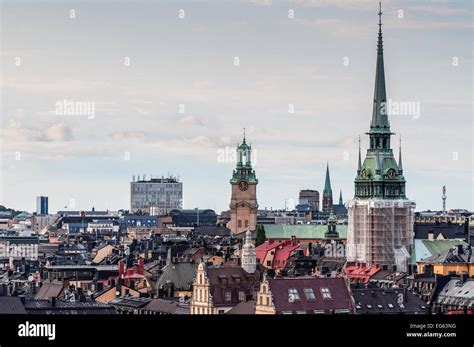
pixel 326 293
pixel 227 295
pixel 309 294
pixel 293 294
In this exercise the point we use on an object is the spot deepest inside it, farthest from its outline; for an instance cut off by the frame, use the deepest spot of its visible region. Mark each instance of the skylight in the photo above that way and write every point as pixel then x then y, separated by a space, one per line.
pixel 309 294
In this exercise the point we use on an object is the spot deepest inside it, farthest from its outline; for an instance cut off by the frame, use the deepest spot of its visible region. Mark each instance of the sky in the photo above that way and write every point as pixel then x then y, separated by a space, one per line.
pixel 174 83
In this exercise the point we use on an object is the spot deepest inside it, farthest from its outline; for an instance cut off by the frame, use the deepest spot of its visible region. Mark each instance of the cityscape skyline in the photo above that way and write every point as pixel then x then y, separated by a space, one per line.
pixel 137 108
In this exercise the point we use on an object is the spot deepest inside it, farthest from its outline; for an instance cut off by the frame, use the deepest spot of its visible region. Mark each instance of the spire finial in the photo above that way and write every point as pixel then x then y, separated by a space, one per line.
pixel 244 134
pixel 380 16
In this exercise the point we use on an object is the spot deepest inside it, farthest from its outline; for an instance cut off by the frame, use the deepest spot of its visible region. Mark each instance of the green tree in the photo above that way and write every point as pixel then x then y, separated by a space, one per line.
pixel 260 235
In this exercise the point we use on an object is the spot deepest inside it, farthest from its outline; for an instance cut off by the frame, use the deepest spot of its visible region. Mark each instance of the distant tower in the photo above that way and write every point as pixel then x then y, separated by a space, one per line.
pixel 341 202
pixel 243 202
pixel 41 205
pixel 327 193
pixel 332 233
pixel 249 255
pixel 444 199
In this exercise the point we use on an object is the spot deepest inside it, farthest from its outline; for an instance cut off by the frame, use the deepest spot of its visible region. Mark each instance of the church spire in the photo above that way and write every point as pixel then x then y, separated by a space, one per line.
pixel 340 198
pixel 327 182
pixel 380 122
pixel 400 165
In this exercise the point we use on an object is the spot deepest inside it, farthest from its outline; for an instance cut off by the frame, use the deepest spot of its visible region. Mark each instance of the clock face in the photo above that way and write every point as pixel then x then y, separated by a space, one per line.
pixel 391 173
pixel 243 185
pixel 365 173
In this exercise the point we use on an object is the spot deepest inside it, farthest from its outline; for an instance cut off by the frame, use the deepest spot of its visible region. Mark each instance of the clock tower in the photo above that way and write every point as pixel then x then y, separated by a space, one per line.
pixel 243 202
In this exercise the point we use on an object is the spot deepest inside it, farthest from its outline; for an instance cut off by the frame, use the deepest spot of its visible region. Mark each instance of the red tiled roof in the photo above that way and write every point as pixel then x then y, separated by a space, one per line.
pixel 361 273
pixel 283 251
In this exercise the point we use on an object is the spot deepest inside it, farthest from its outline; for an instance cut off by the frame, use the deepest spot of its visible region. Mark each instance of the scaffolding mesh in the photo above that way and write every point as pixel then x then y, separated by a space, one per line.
pixel 380 232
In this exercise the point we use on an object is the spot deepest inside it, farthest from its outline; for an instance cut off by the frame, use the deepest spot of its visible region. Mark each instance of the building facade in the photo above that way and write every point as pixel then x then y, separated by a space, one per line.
pixel 156 196
pixel 249 255
pixel 380 215
pixel 309 197
pixel 218 290
pixel 193 217
pixel 42 205
pixel 243 203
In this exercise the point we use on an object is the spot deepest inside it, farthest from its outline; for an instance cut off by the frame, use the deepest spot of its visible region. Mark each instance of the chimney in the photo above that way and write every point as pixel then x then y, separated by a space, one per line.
pixel 121 268
pixel 458 250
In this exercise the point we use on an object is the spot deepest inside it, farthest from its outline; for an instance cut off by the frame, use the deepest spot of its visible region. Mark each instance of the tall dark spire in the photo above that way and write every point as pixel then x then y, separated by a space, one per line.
pixel 327 182
pixel 327 193
pixel 340 198
pixel 379 113
pixel 400 165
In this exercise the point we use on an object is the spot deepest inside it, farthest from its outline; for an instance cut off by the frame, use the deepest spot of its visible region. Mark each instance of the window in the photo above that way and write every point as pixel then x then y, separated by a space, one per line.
pixel 326 293
pixel 390 305
pixel 369 306
pixel 309 294
pixel 269 263
pixel 286 312
pixel 293 295
pixel 239 223
pixel 228 296
pixel 300 312
pixel 241 296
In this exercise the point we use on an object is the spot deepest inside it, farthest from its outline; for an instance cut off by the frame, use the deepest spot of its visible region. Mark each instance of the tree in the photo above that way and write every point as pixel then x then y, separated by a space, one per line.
pixel 260 237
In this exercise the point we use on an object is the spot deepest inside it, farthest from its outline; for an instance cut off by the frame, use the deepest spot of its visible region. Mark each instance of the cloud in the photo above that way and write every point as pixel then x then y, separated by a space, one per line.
pixel 127 135
pixel 191 120
pixel 59 86
pixel 334 26
pixel 262 2
pixel 16 131
pixel 355 4
pixel 58 132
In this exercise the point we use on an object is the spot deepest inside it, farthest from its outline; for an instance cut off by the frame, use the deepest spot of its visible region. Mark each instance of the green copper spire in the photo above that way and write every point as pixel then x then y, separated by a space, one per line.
pixel 327 182
pixel 379 113
pixel 244 169
pixel 379 175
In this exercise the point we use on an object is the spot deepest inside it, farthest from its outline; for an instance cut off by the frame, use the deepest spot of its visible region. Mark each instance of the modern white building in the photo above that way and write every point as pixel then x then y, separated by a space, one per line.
pixel 156 195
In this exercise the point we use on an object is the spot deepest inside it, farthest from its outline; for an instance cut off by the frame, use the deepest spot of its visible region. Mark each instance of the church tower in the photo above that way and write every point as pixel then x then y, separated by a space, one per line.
pixel 380 215
pixel 249 255
pixel 327 193
pixel 243 203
